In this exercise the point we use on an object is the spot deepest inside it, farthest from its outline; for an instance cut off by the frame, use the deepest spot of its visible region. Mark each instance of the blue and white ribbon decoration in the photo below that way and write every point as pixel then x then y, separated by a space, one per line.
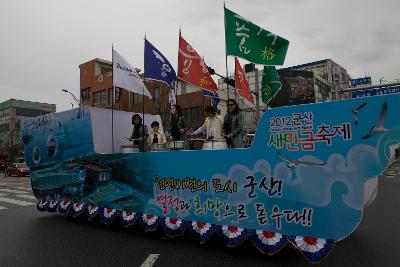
pixel 92 211
pixel 149 222
pixel 77 209
pixel 231 235
pixel 108 215
pixel 314 249
pixel 64 206
pixel 268 242
pixel 52 207
pixel 172 227
pixel 200 230
pixel 42 205
pixel 128 218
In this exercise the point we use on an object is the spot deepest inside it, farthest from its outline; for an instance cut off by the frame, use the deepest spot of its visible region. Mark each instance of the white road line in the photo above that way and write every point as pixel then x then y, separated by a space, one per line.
pixel 26 196
pixel 16 202
pixel 3 208
pixel 12 191
pixel 24 188
pixel 2 194
pixel 151 259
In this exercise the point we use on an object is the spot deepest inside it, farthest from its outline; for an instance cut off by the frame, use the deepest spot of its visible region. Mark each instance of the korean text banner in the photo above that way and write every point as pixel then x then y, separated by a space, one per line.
pixel 253 43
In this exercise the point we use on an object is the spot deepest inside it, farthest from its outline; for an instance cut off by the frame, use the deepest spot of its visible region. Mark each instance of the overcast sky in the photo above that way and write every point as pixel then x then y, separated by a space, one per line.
pixel 44 41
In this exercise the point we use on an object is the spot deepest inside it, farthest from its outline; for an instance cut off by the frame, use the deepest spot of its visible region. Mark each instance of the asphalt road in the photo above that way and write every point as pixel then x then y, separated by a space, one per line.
pixel 31 238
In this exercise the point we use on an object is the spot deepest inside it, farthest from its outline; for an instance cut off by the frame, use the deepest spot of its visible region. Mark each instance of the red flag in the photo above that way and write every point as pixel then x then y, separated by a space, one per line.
pixel 192 69
pixel 242 84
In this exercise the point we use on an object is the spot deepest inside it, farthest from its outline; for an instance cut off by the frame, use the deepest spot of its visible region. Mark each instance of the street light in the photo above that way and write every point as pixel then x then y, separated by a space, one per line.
pixel 73 97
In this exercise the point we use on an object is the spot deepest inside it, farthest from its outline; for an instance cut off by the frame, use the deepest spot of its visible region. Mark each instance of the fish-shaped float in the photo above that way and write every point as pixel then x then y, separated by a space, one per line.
pixel 310 171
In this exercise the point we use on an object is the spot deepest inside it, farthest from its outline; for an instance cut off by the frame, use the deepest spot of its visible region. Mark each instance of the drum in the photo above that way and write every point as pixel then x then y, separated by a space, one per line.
pixel 215 144
pixel 196 143
pixel 157 147
pixel 129 148
pixel 176 145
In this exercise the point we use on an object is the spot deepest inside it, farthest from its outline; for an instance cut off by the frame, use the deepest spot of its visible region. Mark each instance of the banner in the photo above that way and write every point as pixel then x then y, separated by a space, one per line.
pixel 271 83
pixel 297 88
pixel 192 69
pixel 125 76
pixel 241 84
pixel 251 42
pixel 157 67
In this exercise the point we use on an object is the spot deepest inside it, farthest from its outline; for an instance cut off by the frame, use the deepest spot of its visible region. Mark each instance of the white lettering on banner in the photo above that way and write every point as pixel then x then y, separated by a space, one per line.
pixel 165 67
pixel 126 76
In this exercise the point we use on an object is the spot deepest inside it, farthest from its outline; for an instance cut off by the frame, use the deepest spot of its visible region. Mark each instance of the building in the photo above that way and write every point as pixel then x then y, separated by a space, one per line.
pixel 328 79
pixel 329 72
pixel 96 91
pixel 12 112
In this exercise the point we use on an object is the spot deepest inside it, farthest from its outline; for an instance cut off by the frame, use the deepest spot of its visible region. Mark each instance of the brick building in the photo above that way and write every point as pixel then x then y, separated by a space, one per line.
pixel 96 91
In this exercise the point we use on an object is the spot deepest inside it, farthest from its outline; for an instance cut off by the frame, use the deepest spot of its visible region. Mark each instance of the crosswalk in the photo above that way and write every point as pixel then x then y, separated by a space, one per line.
pixel 15 196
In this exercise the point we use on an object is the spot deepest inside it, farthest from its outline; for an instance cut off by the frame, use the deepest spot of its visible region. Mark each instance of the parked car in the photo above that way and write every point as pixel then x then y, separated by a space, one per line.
pixel 19 169
pixel 4 165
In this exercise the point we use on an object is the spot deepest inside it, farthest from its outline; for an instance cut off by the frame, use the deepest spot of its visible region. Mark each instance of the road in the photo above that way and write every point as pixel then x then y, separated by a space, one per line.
pixel 32 238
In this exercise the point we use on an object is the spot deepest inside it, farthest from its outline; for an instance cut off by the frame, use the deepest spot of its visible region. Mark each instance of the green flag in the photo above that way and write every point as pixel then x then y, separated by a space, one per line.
pixel 251 42
pixel 271 83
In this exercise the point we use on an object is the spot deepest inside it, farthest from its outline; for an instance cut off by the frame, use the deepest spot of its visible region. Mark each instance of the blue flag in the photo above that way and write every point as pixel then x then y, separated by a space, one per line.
pixel 157 67
pixel 214 98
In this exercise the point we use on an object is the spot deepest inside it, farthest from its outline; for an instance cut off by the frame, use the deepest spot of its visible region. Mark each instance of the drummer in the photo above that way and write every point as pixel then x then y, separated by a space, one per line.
pixel 139 134
pixel 156 137
pixel 213 124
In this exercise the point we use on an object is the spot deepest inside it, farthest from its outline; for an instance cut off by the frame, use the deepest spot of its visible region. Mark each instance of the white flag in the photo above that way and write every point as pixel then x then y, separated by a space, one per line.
pixel 125 76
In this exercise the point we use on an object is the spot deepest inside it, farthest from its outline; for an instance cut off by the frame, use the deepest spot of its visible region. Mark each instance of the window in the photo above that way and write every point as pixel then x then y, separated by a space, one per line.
pixel 110 96
pixel 85 94
pixel 137 99
pixel 194 114
pixel 96 97
pixel 157 94
pixel 103 96
pixel 29 112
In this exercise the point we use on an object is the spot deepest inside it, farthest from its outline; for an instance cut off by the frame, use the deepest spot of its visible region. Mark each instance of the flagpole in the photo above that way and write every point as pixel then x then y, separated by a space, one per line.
pixel 177 80
pixel 226 62
pixel 144 80
pixel 112 98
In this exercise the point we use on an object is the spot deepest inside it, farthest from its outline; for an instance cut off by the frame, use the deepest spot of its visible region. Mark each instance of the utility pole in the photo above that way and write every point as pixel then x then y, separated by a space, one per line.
pixel 257 93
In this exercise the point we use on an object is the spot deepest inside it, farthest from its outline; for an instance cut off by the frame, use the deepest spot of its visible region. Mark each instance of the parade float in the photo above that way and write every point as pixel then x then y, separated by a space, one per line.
pixel 304 180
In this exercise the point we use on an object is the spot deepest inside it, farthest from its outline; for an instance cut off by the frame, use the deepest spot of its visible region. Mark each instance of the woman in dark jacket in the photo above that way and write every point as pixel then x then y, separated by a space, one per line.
pixel 233 125
pixel 177 124
pixel 139 133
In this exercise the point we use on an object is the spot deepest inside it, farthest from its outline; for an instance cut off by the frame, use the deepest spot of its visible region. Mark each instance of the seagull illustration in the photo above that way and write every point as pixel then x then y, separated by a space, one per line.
pixel 356 110
pixel 379 126
pixel 291 163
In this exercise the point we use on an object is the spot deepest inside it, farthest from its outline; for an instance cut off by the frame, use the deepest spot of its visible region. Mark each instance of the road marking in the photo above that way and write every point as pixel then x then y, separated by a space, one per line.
pixel 3 208
pixel 16 202
pixel 151 259
pixel 24 188
pixel 12 191
pixel 26 196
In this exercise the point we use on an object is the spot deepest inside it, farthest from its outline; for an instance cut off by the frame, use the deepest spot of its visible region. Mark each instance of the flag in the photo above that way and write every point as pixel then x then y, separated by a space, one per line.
pixel 214 98
pixel 157 67
pixel 271 83
pixel 241 84
pixel 251 42
pixel 192 69
pixel 125 76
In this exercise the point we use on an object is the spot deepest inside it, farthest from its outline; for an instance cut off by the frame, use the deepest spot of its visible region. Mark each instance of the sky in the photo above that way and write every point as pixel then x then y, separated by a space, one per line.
pixel 43 42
